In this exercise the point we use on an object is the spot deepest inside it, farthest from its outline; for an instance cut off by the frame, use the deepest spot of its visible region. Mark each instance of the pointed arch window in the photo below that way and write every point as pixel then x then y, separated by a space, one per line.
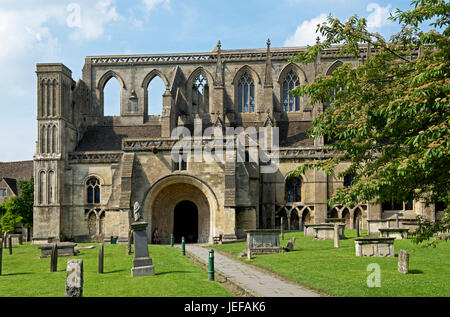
pixel 200 94
pixel 246 94
pixel 293 190
pixel 93 190
pixel 51 187
pixel 290 103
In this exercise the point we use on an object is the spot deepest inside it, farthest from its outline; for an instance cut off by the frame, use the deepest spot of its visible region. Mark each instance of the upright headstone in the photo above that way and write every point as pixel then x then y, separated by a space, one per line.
pixel 403 261
pixel 100 258
pixel 5 237
pixel 249 254
pixel 142 263
pixel 10 244
pixel 74 278
pixel 336 235
pixel 130 237
pixel 1 255
pixel 397 225
pixel 290 245
pixel 54 258
pixel 282 228
pixel 357 227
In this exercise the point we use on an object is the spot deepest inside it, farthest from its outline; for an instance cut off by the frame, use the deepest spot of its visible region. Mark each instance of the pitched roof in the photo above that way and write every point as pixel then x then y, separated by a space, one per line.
pixel 21 170
pixel 12 184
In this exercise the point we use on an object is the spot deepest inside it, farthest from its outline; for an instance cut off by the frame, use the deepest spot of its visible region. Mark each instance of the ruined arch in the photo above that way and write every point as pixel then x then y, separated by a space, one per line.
pixel 207 102
pixel 146 84
pixel 333 67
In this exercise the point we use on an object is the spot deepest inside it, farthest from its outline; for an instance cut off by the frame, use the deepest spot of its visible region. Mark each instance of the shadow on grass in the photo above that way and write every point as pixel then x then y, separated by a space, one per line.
pixel 12 274
pixel 173 272
pixel 115 271
pixel 415 272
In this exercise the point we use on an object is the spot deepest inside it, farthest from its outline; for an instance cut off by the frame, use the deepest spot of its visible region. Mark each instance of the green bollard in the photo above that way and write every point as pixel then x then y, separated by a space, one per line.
pixel 211 265
pixel 171 239
pixel 183 248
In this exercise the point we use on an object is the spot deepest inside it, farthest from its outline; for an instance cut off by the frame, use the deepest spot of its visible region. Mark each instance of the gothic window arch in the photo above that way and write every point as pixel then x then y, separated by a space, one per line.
pixel 200 94
pixel 246 93
pixel 290 103
pixel 43 130
pixel 93 190
pixel 54 138
pixel 293 189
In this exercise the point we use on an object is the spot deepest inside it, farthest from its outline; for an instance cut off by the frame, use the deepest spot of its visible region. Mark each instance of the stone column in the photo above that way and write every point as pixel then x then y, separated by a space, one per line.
pixel 142 263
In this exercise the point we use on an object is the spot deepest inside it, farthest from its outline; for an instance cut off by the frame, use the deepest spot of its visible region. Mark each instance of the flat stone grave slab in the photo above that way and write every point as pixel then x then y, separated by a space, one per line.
pixel 398 233
pixel 324 231
pixel 264 241
pixel 64 249
pixel 374 246
pixel 16 239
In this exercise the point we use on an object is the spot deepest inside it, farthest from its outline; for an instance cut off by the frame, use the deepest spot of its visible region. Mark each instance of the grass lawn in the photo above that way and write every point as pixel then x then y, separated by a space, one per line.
pixel 318 265
pixel 24 274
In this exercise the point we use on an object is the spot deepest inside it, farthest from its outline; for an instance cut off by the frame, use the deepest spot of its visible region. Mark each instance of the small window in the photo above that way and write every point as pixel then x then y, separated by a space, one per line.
pixel 396 205
pixel 348 180
pixel 2 192
pixel 181 164
pixel 93 191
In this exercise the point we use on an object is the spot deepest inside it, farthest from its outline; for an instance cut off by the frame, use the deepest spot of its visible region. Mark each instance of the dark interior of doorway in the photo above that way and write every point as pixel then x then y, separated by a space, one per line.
pixel 185 222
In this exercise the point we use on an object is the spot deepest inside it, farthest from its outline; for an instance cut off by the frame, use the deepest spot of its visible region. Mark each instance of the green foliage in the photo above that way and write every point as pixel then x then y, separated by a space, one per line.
pixel 25 202
pixel 432 232
pixel 391 120
pixel 10 219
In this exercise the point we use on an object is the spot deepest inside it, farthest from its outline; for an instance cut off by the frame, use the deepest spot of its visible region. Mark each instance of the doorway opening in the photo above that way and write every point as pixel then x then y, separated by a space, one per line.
pixel 185 222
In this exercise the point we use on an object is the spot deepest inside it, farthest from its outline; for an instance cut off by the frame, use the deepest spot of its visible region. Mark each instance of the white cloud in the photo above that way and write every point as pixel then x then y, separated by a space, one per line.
pixel 152 4
pixel 94 20
pixel 306 32
pixel 378 17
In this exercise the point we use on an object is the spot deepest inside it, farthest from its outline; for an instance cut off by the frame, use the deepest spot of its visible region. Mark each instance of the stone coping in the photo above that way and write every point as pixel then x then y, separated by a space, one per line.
pixel 263 230
pixel 333 220
pixel 59 245
pixel 369 239
pixel 393 229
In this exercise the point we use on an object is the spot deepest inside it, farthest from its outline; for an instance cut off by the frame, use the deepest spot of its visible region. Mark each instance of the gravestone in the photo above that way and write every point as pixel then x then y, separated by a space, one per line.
pixel 403 261
pixel 290 245
pixel 100 258
pixel 74 278
pixel 336 235
pixel 357 228
pixel 54 258
pixel 282 228
pixel 10 244
pixel 142 263
pixel 263 241
pixel 130 237
pixel 374 246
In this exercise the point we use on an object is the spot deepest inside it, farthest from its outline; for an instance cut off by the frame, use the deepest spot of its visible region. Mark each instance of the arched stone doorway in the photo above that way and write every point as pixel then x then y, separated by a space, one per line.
pixel 185 222
pixel 171 194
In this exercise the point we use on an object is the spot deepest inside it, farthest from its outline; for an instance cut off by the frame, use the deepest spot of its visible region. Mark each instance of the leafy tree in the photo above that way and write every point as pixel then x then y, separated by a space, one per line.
pixel 391 119
pixel 25 202
pixel 10 218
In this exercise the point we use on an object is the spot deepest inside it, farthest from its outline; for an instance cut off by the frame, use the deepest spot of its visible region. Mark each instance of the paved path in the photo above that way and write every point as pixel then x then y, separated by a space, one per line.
pixel 252 280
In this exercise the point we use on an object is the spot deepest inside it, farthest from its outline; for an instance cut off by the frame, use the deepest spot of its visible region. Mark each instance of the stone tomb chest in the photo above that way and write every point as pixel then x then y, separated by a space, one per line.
pixel 324 231
pixel 398 233
pixel 263 241
pixel 64 249
pixel 374 246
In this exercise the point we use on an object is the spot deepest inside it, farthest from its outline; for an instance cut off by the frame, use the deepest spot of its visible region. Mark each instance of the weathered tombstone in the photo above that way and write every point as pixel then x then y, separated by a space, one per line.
pixel 403 261
pixel 336 235
pixel 100 258
pixel 397 225
pixel 249 254
pixel 130 237
pixel 142 263
pixel 54 258
pixel 10 244
pixel 74 278
pixel 357 228
pixel 282 228
pixel 1 255
pixel 290 245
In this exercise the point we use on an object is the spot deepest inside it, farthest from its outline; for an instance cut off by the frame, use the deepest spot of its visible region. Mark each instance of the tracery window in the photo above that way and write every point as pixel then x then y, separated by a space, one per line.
pixel 200 94
pixel 396 205
pixel 93 190
pixel 294 189
pixel 290 103
pixel 51 190
pixel 246 94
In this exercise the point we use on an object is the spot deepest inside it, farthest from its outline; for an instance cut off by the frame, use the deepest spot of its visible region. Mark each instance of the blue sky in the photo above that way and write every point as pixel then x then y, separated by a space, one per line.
pixel 35 31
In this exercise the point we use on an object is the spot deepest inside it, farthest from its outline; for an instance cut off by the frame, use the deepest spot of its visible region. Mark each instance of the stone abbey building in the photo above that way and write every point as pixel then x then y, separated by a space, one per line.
pixel 90 169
